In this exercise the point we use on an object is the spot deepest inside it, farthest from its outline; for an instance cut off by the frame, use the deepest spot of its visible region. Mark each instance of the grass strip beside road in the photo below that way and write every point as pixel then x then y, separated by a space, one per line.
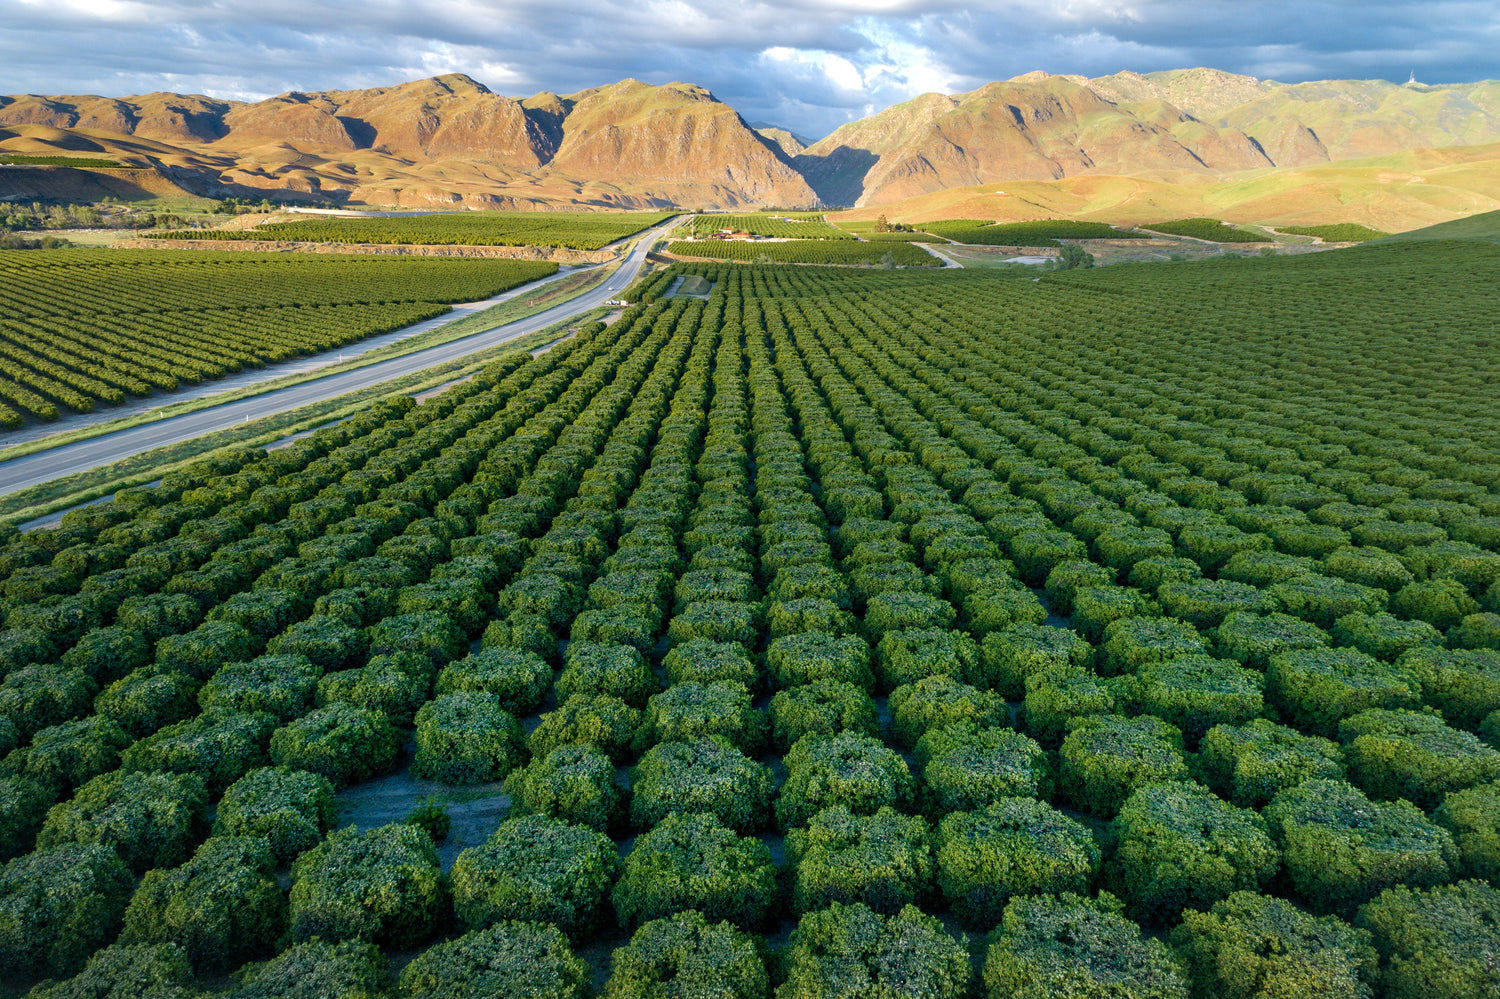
pixel 521 307
pixel 73 490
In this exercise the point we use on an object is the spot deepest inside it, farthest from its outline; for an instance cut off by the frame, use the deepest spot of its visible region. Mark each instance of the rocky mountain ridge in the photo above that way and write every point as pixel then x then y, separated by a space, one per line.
pixel 451 141
pixel 1156 126
pixel 448 140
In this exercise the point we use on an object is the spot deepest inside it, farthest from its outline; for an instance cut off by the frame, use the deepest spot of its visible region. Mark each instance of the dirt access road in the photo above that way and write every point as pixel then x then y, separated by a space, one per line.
pixel 44 466
pixel 948 261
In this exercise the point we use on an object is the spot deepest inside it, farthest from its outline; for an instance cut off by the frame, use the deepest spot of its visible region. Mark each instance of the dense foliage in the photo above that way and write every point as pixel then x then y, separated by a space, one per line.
pixel 1339 232
pixel 1070 945
pixel 688 955
pixel 58 906
pixel 808 251
pixel 882 860
pixel 1251 946
pixel 1438 942
pixel 782 225
pixel 314 970
pixel 918 567
pixel 221 907
pixel 1341 849
pixel 511 958
pixel 575 230
pixel 849 950
pixel 382 886
pixel 85 327
pixel 161 971
pixel 537 869
pixel 292 810
pixel 1180 846
pixel 80 162
pixel 1210 229
pixel 1040 232
pixel 1015 846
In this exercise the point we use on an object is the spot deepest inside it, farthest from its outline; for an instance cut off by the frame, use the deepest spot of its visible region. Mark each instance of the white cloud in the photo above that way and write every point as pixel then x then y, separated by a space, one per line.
pixel 837 70
pixel 810 64
pixel 440 58
pixel 97 10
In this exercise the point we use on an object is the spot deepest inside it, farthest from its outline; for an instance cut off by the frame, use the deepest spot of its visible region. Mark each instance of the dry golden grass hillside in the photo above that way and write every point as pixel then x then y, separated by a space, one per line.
pixel 1391 193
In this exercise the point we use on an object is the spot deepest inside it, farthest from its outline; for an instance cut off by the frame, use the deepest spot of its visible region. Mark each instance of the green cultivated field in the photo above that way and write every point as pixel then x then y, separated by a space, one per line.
pixel 574 230
pixel 899 237
pixel 792 225
pixel 1043 232
pixel 865 229
pixel 1346 232
pixel 1209 229
pixel 1148 613
pixel 81 327
pixel 808 251
pixel 84 162
pixel 1485 226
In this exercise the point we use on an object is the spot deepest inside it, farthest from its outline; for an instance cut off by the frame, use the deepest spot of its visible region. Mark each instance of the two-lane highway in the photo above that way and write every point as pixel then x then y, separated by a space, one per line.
pixel 44 466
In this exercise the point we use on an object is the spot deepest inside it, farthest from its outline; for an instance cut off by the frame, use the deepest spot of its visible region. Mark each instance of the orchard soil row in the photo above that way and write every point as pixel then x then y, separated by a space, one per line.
pixel 1132 632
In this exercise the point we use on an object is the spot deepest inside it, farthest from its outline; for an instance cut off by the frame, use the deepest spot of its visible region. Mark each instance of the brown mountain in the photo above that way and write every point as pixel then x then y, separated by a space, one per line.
pixel 171 118
pixel 1034 127
pixel 677 142
pixel 788 142
pixel 1157 126
pixel 450 141
pixel 443 141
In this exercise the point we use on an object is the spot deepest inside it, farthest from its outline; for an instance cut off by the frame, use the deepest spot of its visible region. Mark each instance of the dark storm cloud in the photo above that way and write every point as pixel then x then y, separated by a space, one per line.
pixel 810 65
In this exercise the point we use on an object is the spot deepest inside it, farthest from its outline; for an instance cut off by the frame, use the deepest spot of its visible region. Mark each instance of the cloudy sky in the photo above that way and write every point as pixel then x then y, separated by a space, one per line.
pixel 809 65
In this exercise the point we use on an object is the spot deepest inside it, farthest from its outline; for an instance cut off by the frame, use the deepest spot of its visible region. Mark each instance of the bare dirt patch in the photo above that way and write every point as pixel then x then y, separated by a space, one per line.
pixel 474 812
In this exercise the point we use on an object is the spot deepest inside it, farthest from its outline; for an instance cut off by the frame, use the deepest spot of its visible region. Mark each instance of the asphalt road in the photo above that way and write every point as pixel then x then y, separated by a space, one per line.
pixel 44 466
pixel 250 378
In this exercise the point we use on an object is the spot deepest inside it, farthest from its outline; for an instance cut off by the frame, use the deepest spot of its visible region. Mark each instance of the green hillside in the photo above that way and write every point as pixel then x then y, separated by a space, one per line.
pixel 1484 227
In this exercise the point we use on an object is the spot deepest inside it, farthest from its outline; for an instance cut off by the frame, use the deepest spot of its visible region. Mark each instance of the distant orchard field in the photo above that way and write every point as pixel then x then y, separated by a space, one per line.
pixel 791 225
pixel 573 230
pixel 808 251
pixel 1042 232
pixel 84 327
pixel 82 162
pixel 1129 632
pixel 1345 232
pixel 1209 229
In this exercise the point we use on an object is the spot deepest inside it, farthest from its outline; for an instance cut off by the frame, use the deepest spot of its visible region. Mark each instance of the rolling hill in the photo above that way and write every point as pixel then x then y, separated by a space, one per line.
pixel 1484 228
pixel 1392 193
